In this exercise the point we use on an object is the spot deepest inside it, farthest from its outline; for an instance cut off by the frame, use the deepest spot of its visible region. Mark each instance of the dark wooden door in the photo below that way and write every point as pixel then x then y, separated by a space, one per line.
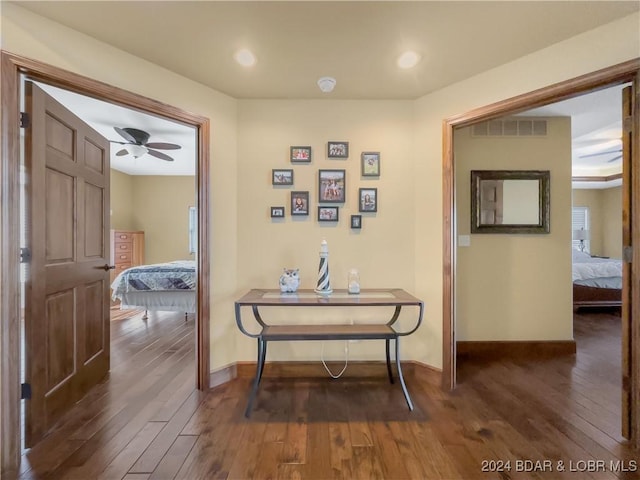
pixel 626 265
pixel 67 287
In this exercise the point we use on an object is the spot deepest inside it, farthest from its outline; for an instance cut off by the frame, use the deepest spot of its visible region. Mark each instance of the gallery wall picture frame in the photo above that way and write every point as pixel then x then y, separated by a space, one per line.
pixel 331 186
pixel 338 149
pixel 300 154
pixel 328 214
pixel 281 176
pixel 368 200
pixel 277 212
pixel 370 164
pixel 356 221
pixel 300 203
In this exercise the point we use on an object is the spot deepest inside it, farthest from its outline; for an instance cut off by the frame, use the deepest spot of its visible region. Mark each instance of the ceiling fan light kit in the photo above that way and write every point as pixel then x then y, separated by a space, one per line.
pixel 137 144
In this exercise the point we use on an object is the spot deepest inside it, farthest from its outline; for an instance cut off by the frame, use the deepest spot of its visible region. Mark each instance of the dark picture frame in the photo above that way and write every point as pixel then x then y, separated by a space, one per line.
pixel 370 164
pixel 328 214
pixel 356 221
pixel 300 154
pixel 277 212
pixel 300 203
pixel 337 149
pixel 281 176
pixel 332 186
pixel 368 200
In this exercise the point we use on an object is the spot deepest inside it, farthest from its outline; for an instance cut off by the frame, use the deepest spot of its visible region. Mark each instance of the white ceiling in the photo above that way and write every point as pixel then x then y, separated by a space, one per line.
pixel 296 42
pixel 103 116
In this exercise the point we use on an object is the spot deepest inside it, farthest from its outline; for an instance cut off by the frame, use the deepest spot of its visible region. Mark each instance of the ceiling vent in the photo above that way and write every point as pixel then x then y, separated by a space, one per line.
pixel 510 128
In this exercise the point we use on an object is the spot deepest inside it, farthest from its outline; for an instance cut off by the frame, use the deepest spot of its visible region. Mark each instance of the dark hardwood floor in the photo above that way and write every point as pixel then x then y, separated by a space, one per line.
pixel 148 422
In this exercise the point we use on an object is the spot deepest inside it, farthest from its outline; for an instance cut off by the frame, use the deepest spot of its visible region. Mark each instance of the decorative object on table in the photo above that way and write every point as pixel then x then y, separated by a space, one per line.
pixel 356 221
pixel 581 235
pixel 368 199
pixel 370 164
pixel 331 186
pixel 338 149
pixel 277 212
pixel 289 280
pixel 353 281
pixel 324 284
pixel 300 154
pixel 300 203
pixel 281 177
pixel 327 214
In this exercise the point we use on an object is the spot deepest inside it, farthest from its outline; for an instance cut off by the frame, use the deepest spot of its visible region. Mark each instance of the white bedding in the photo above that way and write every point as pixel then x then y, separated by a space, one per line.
pixel 586 267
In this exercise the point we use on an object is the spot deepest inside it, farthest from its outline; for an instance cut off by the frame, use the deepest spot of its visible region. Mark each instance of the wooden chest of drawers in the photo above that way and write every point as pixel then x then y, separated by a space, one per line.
pixel 127 250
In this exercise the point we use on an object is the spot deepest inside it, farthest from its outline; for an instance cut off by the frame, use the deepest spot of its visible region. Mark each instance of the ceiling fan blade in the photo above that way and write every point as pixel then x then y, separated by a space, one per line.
pixel 163 146
pixel 122 152
pixel 124 134
pixel 599 153
pixel 614 159
pixel 160 155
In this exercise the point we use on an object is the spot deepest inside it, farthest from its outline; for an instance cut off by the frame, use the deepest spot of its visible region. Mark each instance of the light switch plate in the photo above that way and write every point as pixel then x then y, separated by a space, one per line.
pixel 464 240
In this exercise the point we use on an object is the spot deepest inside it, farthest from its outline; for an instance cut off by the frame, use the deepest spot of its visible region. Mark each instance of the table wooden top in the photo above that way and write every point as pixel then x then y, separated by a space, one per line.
pixel 339 297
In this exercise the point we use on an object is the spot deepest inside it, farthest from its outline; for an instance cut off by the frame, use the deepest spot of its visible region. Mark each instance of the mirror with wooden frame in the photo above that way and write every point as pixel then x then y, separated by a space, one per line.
pixel 510 201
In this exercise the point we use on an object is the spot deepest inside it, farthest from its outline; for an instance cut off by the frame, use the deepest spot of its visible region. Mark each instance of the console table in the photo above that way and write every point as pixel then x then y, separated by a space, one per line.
pixel 393 297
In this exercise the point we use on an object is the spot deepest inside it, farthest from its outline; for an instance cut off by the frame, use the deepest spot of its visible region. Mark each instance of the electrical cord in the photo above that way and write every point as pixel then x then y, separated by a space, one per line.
pixel 346 360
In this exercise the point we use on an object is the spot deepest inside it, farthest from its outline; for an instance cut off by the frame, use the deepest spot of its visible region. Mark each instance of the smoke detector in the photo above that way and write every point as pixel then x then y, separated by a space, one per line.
pixel 326 84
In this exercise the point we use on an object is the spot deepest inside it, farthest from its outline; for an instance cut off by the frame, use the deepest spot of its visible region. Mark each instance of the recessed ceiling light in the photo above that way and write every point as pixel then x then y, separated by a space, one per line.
pixel 245 58
pixel 408 59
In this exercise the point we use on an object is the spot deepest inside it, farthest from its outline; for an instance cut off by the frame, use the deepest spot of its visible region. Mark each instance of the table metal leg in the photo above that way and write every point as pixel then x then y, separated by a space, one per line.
pixel 256 380
pixel 388 348
pixel 262 360
pixel 404 387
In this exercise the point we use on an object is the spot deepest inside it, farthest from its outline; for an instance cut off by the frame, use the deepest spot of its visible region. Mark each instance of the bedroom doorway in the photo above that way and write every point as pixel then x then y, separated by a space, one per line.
pixel 15 68
pixel 619 74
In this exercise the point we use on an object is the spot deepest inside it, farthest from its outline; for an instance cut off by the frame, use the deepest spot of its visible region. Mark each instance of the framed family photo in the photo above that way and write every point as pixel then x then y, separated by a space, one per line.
pixel 368 199
pixel 331 186
pixel 300 154
pixel 327 214
pixel 338 149
pixel 281 177
pixel 370 164
pixel 356 221
pixel 300 203
pixel 277 212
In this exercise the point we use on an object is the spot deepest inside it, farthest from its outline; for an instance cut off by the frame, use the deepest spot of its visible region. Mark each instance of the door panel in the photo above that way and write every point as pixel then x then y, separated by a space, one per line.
pixel 67 290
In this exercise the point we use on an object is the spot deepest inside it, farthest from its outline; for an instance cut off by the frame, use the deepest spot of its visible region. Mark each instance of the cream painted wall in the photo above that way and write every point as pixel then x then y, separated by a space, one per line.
pixel 515 287
pixel 24 33
pixel 161 209
pixel 30 35
pixel 592 198
pixel 121 200
pixel 608 45
pixel 382 250
pixel 612 221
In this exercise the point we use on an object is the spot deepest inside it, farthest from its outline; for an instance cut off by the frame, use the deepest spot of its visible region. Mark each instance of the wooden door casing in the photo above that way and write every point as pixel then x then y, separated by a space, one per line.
pixel 67 288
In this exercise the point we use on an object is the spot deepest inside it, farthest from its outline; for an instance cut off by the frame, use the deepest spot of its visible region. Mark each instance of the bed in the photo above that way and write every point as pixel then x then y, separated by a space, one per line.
pixel 159 287
pixel 597 282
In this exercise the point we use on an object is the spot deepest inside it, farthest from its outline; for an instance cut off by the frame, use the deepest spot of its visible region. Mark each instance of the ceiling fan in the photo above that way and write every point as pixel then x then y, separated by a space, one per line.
pixel 605 153
pixel 137 144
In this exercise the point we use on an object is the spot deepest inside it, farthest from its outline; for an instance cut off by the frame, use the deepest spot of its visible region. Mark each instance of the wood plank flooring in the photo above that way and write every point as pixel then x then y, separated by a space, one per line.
pixel 146 421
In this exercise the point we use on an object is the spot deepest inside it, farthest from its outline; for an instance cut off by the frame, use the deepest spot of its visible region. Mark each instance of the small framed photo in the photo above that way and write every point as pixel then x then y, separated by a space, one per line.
pixel 327 214
pixel 281 177
pixel 277 212
pixel 356 221
pixel 370 164
pixel 300 203
pixel 331 186
pixel 300 155
pixel 338 149
pixel 368 199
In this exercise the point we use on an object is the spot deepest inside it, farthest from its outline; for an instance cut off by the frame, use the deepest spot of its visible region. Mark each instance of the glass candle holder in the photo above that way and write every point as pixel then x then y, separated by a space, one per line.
pixel 353 281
